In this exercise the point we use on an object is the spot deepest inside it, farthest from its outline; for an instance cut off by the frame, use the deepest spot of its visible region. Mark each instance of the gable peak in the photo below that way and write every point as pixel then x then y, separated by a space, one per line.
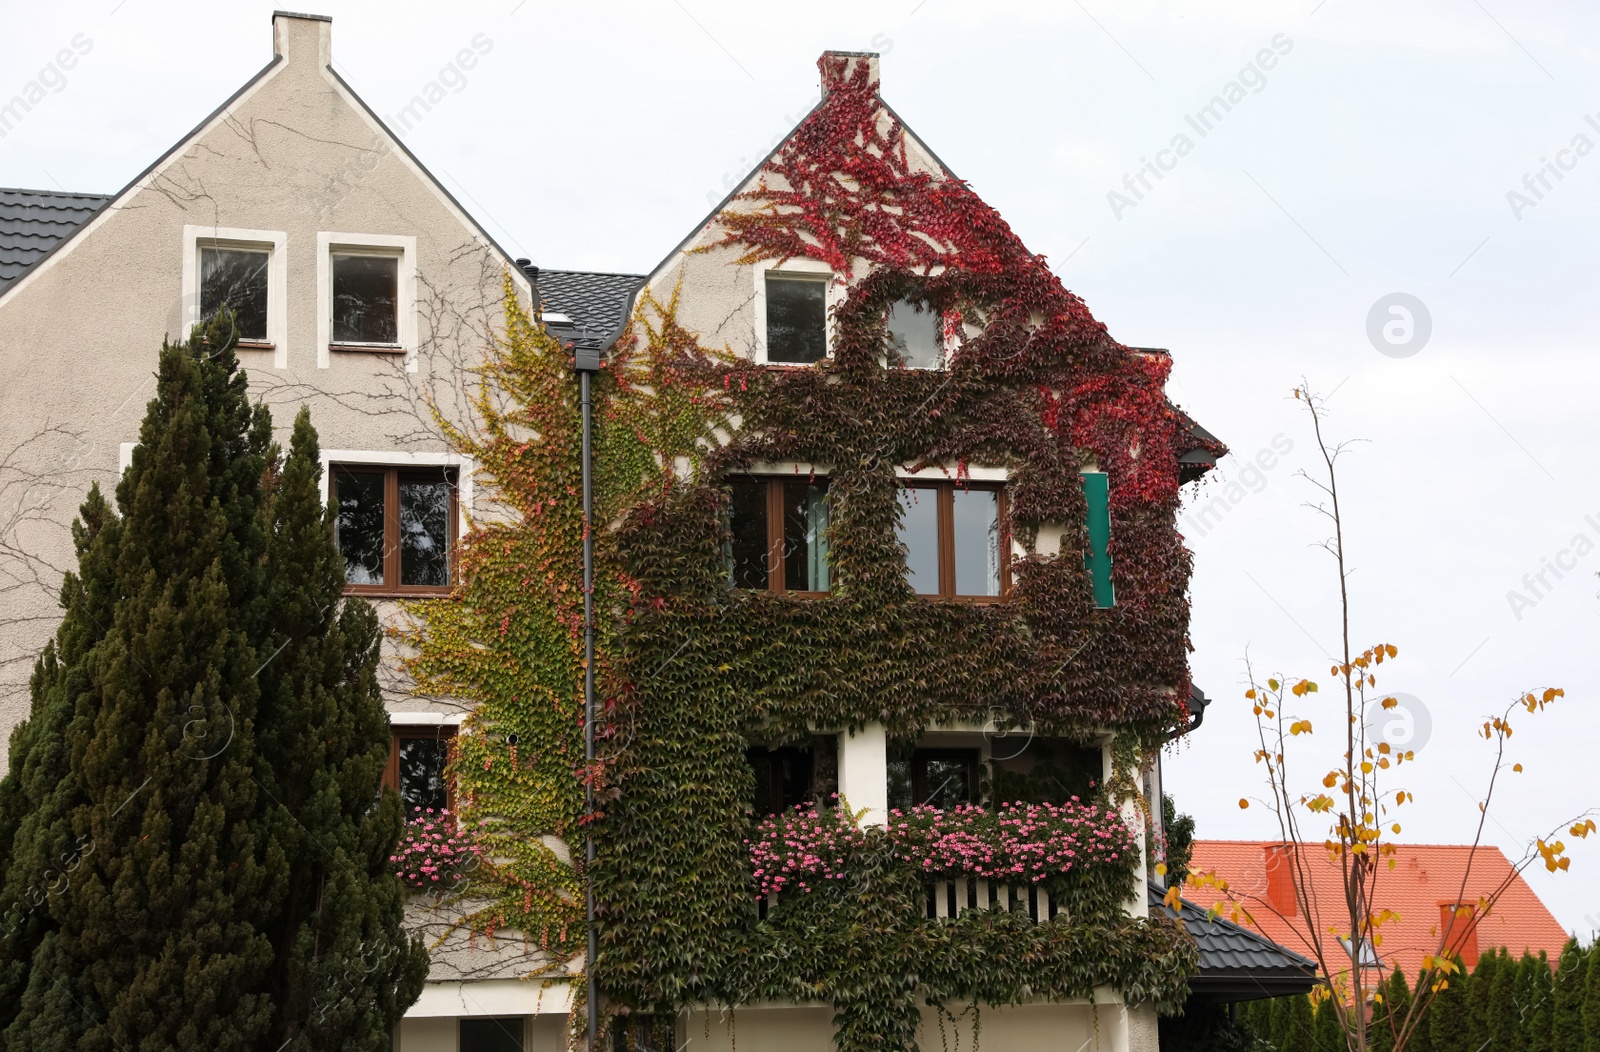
pixel 299 37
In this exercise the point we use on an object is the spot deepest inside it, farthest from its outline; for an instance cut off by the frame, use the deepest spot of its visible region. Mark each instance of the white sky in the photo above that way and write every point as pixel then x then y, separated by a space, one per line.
pixel 1376 159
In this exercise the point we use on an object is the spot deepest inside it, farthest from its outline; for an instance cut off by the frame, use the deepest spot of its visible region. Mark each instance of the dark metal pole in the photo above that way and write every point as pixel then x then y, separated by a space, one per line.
pixel 588 696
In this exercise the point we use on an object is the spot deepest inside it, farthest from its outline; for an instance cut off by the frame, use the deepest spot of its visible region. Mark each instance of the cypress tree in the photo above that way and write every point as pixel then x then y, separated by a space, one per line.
pixel 1449 1025
pixel 154 939
pixel 1389 1015
pixel 1326 1033
pixel 1276 1029
pixel 1590 1010
pixel 39 770
pixel 1534 1002
pixel 1502 1021
pixel 1568 986
pixel 1478 991
pixel 344 972
pixel 1421 1036
pixel 191 846
pixel 1297 1025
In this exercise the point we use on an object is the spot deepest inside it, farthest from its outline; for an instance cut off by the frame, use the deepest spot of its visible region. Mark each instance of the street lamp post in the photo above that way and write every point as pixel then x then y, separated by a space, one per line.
pixel 587 363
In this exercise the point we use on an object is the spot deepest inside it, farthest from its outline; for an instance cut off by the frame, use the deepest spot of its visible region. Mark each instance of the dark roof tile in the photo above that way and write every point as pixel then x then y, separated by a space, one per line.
pixel 1237 964
pixel 32 222
pixel 596 303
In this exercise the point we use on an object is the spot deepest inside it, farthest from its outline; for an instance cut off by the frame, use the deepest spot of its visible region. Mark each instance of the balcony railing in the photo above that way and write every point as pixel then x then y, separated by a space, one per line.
pixel 948 899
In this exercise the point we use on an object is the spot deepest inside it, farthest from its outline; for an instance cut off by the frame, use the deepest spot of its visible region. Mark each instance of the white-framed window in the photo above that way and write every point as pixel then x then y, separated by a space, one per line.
pixel 793 312
pixel 366 296
pixel 245 271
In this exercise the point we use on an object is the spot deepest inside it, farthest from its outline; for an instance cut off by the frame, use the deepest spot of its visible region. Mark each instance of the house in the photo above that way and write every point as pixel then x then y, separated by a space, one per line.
pixel 921 553
pixel 1430 887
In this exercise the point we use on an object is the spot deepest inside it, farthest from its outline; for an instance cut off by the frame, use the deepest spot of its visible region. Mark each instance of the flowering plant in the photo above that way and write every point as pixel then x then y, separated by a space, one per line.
pixel 1019 843
pixel 432 851
pixel 804 848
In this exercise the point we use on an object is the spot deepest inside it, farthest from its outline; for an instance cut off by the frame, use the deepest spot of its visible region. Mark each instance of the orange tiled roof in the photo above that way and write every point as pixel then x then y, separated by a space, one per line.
pixel 1424 877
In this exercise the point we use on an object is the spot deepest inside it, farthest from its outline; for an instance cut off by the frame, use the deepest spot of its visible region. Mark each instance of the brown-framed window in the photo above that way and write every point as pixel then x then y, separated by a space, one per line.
pixel 418 757
pixel 779 530
pixel 396 528
pixel 955 539
pixel 941 778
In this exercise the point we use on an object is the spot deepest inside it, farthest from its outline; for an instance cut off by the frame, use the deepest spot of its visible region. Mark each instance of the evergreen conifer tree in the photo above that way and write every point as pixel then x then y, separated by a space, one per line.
pixel 155 938
pixel 1502 1020
pixel 343 972
pixel 1326 1033
pixel 1590 1010
pixel 1297 1023
pixel 1448 1022
pixel 1533 1002
pixel 1389 1015
pixel 38 771
pixel 1569 982
pixel 1478 993
pixel 172 879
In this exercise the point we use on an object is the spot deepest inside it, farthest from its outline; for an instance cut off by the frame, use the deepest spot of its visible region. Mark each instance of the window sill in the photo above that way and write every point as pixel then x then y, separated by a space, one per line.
pixel 368 348
pixel 788 592
pixel 256 345
pixel 796 365
pixel 378 592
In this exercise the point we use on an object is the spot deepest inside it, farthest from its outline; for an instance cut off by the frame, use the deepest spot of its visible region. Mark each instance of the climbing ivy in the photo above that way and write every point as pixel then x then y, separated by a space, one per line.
pixel 691 670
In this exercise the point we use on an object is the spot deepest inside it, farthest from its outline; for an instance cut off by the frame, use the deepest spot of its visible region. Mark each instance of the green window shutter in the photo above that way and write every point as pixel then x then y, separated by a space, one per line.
pixel 1097 560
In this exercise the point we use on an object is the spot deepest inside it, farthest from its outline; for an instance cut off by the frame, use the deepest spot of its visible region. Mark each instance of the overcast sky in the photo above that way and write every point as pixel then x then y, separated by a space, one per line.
pixel 1373 151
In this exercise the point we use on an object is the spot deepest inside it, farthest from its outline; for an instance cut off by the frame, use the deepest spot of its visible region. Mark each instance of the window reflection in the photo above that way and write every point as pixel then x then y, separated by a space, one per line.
pixel 425 531
pixel 365 299
pixel 236 279
pixel 919 532
pixel 975 516
pixel 422 773
pixel 914 334
pixel 358 529
pixel 805 537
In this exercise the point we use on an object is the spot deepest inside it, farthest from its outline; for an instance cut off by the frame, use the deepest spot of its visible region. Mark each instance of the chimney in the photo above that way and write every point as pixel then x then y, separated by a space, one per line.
pixel 1279 860
pixel 302 38
pixel 841 67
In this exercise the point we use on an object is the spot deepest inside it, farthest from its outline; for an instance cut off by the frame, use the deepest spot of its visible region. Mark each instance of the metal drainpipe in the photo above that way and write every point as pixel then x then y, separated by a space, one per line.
pixel 587 363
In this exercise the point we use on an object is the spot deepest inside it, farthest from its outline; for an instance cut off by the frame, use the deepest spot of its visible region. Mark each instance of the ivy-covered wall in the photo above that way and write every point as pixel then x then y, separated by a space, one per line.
pixel 692 670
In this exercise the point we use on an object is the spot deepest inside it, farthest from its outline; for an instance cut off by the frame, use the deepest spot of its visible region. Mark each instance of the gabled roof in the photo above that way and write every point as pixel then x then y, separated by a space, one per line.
pixel 1237 964
pixel 1424 876
pixel 32 222
pixel 98 204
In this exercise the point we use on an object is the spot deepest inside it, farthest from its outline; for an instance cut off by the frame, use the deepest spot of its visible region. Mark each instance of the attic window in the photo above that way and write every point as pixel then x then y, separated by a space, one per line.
pixel 366 300
pixel 915 337
pixel 236 279
pixel 797 319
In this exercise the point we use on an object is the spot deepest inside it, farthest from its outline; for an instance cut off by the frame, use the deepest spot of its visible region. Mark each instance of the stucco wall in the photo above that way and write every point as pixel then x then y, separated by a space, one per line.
pixel 79 336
